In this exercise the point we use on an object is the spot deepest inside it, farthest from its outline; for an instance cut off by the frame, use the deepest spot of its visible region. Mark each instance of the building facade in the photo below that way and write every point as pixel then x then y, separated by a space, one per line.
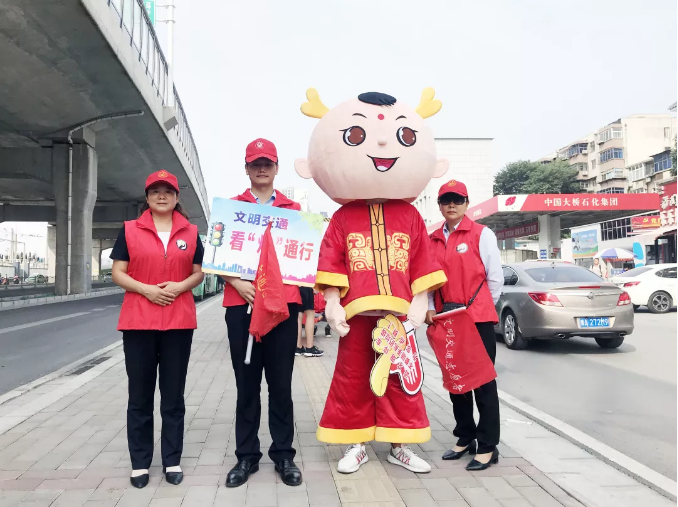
pixel 299 195
pixel 471 162
pixel 629 155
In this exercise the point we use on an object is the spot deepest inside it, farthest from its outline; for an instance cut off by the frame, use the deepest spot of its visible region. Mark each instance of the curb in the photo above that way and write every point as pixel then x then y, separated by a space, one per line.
pixel 22 303
pixel 643 474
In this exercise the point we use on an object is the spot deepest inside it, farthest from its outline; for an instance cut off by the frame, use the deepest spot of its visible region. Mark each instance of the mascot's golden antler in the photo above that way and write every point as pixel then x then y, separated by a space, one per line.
pixel 428 106
pixel 314 107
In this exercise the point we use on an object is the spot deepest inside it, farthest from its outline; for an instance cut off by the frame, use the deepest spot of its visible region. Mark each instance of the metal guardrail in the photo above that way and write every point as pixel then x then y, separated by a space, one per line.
pixel 135 21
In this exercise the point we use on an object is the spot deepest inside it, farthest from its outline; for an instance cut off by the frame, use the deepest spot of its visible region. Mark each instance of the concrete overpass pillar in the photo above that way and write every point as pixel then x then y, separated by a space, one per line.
pixel 549 236
pixel 60 183
pixel 83 198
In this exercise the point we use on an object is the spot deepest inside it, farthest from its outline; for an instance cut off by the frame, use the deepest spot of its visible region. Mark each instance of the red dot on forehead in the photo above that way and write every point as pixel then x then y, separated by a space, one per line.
pixel 381 116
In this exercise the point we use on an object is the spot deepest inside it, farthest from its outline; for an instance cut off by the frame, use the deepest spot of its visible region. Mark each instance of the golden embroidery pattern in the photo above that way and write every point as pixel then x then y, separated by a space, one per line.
pixel 398 251
pixel 360 256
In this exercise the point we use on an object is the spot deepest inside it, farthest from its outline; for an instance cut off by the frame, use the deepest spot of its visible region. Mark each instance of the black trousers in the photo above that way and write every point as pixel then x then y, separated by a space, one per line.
pixel 275 356
pixel 487 400
pixel 146 353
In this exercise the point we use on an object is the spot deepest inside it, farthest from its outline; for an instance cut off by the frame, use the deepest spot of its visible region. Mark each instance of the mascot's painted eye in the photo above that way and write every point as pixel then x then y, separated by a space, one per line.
pixel 354 136
pixel 407 136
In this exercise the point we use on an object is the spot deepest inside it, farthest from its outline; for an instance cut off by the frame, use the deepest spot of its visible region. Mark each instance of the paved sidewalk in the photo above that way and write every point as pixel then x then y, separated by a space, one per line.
pixel 64 444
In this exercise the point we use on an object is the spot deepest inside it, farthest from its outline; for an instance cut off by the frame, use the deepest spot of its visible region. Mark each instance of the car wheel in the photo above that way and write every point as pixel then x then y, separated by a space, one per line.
pixel 635 307
pixel 512 337
pixel 610 343
pixel 660 302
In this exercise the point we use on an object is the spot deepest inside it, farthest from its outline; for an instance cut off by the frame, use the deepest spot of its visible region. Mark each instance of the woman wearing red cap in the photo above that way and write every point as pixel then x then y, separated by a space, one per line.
pixel 157 259
pixel 471 260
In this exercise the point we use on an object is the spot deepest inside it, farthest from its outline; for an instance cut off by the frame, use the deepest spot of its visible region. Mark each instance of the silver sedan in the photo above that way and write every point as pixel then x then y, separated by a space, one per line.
pixel 549 299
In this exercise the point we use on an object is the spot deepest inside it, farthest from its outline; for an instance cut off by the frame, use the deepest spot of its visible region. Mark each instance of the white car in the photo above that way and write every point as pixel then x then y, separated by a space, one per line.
pixel 654 286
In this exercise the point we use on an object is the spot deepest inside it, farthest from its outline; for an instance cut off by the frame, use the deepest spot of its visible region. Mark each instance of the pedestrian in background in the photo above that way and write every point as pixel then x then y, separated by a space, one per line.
pixel 469 255
pixel 599 268
pixel 157 259
pixel 308 311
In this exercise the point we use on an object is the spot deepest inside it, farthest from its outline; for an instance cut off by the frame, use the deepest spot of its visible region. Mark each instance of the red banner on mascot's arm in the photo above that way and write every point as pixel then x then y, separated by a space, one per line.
pixel 460 352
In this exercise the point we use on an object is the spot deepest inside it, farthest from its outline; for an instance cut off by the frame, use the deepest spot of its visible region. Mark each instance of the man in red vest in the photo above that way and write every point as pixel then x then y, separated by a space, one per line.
pixel 274 354
pixel 469 255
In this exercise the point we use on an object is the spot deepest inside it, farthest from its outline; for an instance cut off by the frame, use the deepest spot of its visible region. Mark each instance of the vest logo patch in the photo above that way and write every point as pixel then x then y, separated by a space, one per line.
pixel 462 248
pixel 181 244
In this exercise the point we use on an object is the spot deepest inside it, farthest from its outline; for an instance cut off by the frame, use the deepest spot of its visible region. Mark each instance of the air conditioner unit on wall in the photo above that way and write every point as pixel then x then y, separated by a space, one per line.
pixel 584 152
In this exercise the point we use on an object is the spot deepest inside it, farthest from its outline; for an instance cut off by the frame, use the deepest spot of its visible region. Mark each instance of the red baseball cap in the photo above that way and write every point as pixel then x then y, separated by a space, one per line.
pixel 453 186
pixel 165 177
pixel 261 148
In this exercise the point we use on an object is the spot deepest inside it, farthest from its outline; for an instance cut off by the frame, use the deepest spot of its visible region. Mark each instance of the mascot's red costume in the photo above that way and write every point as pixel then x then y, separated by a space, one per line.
pixel 374 155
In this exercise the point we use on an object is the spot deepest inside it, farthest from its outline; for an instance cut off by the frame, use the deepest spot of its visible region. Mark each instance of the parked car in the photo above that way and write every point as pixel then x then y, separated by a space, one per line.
pixel 107 277
pixel 36 279
pixel 654 286
pixel 559 300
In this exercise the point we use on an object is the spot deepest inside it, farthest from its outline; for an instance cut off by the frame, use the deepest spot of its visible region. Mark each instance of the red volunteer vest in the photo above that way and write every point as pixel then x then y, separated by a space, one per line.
pixel 292 294
pixel 464 269
pixel 150 264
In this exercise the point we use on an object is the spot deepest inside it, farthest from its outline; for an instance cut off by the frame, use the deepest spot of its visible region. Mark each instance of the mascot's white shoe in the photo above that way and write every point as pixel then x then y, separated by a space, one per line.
pixel 354 456
pixel 406 458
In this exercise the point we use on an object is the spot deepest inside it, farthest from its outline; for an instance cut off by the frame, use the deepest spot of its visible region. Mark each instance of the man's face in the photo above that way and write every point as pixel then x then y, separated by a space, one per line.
pixel 363 151
pixel 452 206
pixel 261 171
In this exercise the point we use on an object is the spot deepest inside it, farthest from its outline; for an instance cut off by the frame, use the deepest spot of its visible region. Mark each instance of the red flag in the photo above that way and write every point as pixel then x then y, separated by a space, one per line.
pixel 460 352
pixel 270 306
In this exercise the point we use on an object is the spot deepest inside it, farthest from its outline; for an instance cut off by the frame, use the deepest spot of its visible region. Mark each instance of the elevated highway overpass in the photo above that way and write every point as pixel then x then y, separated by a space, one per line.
pixel 86 113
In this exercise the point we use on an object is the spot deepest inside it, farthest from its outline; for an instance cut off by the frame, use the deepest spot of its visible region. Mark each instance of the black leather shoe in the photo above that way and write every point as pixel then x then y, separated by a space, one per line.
pixel 140 481
pixel 240 473
pixel 289 472
pixel 475 466
pixel 452 454
pixel 173 478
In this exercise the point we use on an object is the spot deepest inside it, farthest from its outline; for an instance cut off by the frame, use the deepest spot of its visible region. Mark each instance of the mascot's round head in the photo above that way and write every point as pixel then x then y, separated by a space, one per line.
pixel 371 147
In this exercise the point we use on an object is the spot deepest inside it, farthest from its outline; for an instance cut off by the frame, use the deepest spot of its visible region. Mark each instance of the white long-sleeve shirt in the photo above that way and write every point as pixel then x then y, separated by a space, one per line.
pixel 491 258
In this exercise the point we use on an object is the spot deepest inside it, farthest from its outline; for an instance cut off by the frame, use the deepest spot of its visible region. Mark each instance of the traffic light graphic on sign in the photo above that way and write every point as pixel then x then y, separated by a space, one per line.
pixel 217 238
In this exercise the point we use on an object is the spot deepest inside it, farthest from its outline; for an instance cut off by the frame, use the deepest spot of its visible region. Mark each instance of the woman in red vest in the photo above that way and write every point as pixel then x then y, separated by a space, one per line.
pixel 157 259
pixel 471 260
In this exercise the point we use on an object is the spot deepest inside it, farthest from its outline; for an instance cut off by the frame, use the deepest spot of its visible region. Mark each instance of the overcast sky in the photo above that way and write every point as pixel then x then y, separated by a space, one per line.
pixel 532 74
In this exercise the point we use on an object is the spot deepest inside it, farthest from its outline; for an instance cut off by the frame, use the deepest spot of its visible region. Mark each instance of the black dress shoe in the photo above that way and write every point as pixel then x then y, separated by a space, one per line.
pixel 289 472
pixel 240 473
pixel 475 466
pixel 140 481
pixel 452 454
pixel 173 478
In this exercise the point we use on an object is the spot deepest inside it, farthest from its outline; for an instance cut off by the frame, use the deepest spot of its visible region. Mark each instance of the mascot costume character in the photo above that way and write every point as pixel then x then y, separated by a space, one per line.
pixel 374 155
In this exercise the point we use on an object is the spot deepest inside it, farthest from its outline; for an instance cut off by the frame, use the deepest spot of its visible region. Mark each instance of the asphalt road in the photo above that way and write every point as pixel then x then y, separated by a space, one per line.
pixel 626 398
pixel 33 343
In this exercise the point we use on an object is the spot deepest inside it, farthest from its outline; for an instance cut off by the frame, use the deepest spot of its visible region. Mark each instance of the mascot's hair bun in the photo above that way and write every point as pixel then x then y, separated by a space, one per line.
pixel 377 99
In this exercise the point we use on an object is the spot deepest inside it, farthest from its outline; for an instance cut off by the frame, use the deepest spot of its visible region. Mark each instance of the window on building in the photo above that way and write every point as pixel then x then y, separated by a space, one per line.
pixel 612 190
pixel 576 149
pixel 636 172
pixel 615 229
pixel 611 133
pixel 592 146
pixel 662 162
pixel 610 154
pixel 667 132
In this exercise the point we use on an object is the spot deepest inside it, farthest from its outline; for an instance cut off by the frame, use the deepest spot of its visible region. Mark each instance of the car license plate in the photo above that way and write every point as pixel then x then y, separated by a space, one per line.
pixel 589 322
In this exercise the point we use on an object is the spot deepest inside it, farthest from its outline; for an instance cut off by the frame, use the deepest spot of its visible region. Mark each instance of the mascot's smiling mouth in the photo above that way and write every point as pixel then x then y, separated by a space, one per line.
pixel 383 164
